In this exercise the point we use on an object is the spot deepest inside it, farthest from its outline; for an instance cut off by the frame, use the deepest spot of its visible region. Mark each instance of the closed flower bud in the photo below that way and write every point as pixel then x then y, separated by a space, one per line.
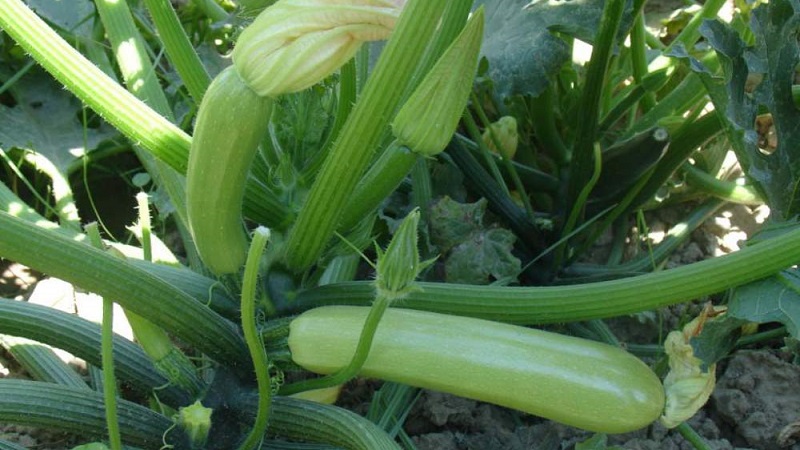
pixel 294 44
pixel 504 132
pixel 398 266
pixel 429 118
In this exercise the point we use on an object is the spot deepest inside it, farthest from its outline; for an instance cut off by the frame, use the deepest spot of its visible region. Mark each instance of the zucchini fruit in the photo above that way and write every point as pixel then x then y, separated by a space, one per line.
pixel 577 382
pixel 231 123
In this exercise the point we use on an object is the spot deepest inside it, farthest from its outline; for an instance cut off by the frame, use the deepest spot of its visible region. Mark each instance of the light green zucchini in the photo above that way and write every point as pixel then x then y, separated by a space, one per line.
pixel 574 381
pixel 231 123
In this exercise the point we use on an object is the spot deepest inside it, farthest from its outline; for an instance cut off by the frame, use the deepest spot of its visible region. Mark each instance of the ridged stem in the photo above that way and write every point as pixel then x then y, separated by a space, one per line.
pixel 179 49
pixel 82 338
pixel 553 304
pixel 132 288
pixel 302 420
pixel 588 118
pixel 77 410
pixel 124 111
pixel 355 145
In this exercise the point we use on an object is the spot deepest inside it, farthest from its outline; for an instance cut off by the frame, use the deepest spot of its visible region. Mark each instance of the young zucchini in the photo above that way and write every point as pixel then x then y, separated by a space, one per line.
pixel 581 383
pixel 231 122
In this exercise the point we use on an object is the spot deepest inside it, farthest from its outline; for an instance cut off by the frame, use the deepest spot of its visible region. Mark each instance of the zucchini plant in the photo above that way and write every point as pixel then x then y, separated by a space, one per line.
pixel 594 146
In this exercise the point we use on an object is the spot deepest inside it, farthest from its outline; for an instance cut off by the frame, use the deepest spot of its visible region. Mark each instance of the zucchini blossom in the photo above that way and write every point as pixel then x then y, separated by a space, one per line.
pixel 399 265
pixel 295 44
pixel 688 385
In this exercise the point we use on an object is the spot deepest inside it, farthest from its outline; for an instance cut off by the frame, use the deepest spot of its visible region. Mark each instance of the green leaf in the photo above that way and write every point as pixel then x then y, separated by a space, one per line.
pixel 717 339
pixel 485 254
pixel 519 46
pixel 451 222
pixel 770 63
pixel 774 299
pixel 46 119
pixel 75 16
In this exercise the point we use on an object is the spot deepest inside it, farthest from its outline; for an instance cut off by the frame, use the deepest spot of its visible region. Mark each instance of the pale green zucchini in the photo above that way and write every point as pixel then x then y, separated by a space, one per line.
pixel 231 123
pixel 578 382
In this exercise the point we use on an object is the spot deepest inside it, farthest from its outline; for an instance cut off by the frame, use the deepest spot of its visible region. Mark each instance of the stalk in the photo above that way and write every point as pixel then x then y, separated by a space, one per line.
pixel 726 190
pixel 179 49
pixel 110 100
pixel 134 289
pixel 140 76
pixel 83 338
pixel 254 344
pixel 139 123
pixel 354 146
pixel 639 60
pixel 381 179
pixel 581 165
pixel 79 411
pixel 107 355
pixel 691 32
pixel 554 304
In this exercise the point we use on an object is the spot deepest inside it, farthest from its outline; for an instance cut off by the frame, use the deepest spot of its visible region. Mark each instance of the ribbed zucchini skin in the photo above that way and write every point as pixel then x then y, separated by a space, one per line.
pixel 308 421
pixel 80 411
pixel 231 122
pixel 82 338
pixel 570 380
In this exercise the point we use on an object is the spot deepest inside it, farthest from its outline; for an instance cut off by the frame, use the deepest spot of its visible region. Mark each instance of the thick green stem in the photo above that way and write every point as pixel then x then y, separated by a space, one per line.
pixel 132 117
pixel 639 60
pixel 133 288
pixel 732 192
pixel 691 32
pixel 589 115
pixel 140 76
pixel 354 146
pixel 179 49
pixel 553 304
pixel 381 179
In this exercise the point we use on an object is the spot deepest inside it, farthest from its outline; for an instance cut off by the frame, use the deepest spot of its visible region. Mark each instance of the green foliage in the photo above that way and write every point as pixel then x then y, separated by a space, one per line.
pixel 74 16
pixel 47 119
pixel 774 299
pixel 522 51
pixel 476 254
pixel 755 80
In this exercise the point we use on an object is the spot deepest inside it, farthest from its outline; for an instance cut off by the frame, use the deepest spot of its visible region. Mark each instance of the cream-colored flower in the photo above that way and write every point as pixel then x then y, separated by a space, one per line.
pixel 505 132
pixel 294 44
pixel 688 385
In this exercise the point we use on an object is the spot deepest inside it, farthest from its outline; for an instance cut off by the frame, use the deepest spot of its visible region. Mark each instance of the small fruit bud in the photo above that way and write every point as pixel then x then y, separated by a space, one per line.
pixel 294 44
pixel 429 118
pixel 195 420
pixel 504 132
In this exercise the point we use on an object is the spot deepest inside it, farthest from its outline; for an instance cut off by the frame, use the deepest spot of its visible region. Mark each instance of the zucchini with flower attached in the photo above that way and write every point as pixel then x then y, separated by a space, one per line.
pixel 289 47
pixel 581 383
